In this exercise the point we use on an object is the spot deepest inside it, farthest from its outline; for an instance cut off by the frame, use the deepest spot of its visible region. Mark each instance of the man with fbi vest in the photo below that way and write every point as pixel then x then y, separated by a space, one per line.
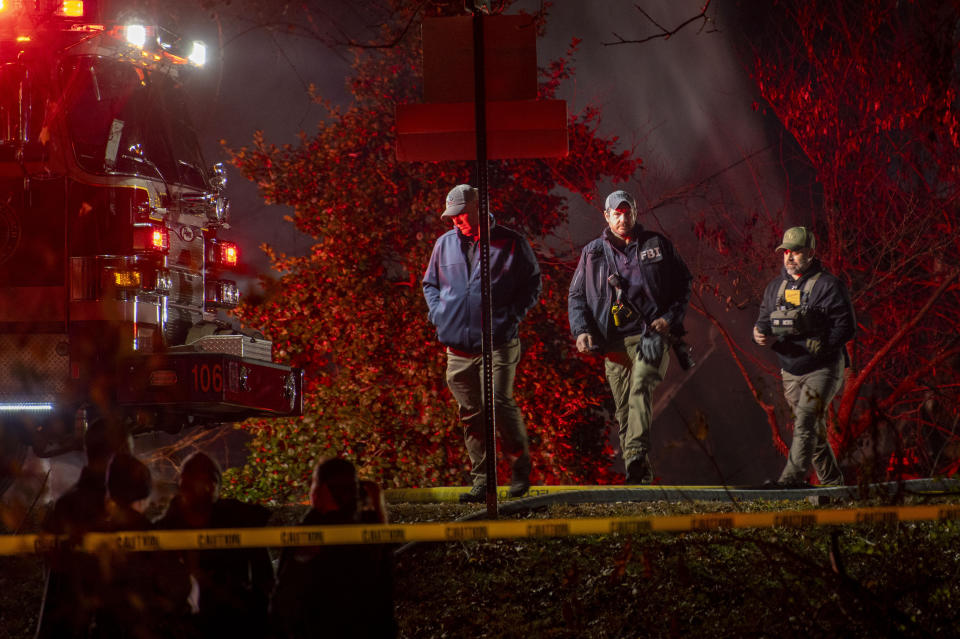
pixel 627 301
pixel 806 317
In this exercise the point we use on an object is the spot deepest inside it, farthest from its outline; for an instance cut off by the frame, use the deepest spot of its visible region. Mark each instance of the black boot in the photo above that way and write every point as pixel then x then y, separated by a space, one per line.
pixel 477 495
pixel 638 470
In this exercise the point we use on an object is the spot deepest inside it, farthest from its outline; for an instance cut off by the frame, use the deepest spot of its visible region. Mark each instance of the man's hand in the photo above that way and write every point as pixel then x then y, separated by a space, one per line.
pixel 813 346
pixel 585 342
pixel 660 325
pixel 760 338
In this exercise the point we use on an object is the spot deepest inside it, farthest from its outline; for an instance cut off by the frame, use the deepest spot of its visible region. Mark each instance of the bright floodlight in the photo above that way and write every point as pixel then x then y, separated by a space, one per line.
pixel 25 407
pixel 198 55
pixel 136 35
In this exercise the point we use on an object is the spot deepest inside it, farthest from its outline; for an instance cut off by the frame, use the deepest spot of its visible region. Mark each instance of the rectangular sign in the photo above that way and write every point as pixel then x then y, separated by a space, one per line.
pixel 515 129
pixel 510 58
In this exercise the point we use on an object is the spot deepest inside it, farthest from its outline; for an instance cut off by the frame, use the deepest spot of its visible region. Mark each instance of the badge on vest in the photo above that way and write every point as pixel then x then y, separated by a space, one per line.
pixel 792 296
pixel 652 254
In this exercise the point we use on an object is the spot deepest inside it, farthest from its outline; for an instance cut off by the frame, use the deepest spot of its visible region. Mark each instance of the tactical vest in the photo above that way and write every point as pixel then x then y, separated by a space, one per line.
pixel 788 317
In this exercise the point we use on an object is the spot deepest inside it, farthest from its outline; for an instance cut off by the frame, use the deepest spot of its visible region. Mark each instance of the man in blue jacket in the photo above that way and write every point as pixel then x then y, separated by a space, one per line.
pixel 627 301
pixel 451 286
pixel 806 317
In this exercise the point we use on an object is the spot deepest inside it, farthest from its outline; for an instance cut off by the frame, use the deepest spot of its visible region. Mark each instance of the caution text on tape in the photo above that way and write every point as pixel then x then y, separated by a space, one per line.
pixel 223 538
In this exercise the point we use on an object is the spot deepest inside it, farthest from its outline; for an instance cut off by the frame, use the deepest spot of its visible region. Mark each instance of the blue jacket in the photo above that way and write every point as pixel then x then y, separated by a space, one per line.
pixel 453 293
pixel 666 280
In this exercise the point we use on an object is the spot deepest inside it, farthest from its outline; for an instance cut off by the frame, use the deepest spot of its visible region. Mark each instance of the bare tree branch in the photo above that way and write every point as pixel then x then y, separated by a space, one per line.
pixel 665 33
pixel 852 390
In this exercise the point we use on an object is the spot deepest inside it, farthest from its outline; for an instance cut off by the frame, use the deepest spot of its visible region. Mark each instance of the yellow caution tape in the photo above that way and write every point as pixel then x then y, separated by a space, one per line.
pixel 278 537
pixel 669 492
pixel 452 493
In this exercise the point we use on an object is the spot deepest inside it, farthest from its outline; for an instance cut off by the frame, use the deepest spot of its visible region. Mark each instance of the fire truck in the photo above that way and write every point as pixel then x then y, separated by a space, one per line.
pixel 114 281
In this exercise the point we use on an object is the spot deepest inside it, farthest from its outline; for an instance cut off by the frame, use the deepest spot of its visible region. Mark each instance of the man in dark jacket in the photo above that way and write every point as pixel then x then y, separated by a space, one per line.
pixel 451 286
pixel 72 588
pixel 627 301
pixel 335 591
pixel 806 317
pixel 234 584
pixel 143 595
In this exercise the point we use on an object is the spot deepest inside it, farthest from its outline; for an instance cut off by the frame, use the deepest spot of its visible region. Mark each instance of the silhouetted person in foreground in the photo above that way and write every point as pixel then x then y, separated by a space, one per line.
pixel 233 585
pixel 335 591
pixel 72 586
pixel 142 594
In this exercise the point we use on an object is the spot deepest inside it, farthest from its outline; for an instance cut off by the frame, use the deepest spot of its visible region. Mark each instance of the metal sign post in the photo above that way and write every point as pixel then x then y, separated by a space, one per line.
pixel 486 300
pixel 506 121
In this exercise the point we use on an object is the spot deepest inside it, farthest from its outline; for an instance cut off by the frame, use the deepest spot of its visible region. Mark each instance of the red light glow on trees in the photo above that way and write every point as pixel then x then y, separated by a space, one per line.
pixel 351 312
pixel 869 92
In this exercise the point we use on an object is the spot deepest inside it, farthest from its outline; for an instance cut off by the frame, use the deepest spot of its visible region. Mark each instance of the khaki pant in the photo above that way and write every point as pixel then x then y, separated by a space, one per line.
pixel 464 377
pixel 632 382
pixel 809 396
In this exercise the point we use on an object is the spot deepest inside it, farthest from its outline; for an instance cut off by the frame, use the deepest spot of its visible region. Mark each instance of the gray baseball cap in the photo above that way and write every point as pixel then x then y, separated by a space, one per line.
pixel 459 198
pixel 617 198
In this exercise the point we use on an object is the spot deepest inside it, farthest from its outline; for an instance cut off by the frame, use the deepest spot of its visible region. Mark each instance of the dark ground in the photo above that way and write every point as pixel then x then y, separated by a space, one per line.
pixel 852 581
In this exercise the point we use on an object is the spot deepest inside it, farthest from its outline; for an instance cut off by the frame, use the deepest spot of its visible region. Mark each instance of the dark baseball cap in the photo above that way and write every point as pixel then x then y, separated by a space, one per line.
pixel 458 199
pixel 617 198
pixel 796 238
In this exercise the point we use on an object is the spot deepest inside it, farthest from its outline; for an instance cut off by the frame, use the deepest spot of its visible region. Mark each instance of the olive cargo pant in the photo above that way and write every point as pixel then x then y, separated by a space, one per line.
pixel 464 375
pixel 632 382
pixel 809 396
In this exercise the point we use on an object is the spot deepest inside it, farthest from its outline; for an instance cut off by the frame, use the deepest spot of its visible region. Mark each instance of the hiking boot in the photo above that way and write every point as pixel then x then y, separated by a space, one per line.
pixel 477 495
pixel 638 471
pixel 519 486
pixel 520 477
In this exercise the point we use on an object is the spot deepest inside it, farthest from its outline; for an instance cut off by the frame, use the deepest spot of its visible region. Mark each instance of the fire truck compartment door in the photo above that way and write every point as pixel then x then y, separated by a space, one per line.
pixel 220 386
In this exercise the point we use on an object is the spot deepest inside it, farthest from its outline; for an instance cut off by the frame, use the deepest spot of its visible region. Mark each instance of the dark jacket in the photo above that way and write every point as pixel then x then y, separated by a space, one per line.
pixel 666 279
pixel 831 317
pixel 143 595
pixel 72 578
pixel 339 592
pixel 234 584
pixel 452 290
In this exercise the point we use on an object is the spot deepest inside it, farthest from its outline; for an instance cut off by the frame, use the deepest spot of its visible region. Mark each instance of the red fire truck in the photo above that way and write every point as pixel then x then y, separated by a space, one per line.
pixel 112 272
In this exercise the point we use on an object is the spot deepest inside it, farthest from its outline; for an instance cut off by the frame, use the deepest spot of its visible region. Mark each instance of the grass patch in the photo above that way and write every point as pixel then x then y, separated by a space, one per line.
pixel 852 581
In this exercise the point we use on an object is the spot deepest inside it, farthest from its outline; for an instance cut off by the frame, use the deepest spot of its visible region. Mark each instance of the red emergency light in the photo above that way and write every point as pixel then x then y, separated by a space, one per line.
pixel 223 254
pixel 228 254
pixel 150 237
